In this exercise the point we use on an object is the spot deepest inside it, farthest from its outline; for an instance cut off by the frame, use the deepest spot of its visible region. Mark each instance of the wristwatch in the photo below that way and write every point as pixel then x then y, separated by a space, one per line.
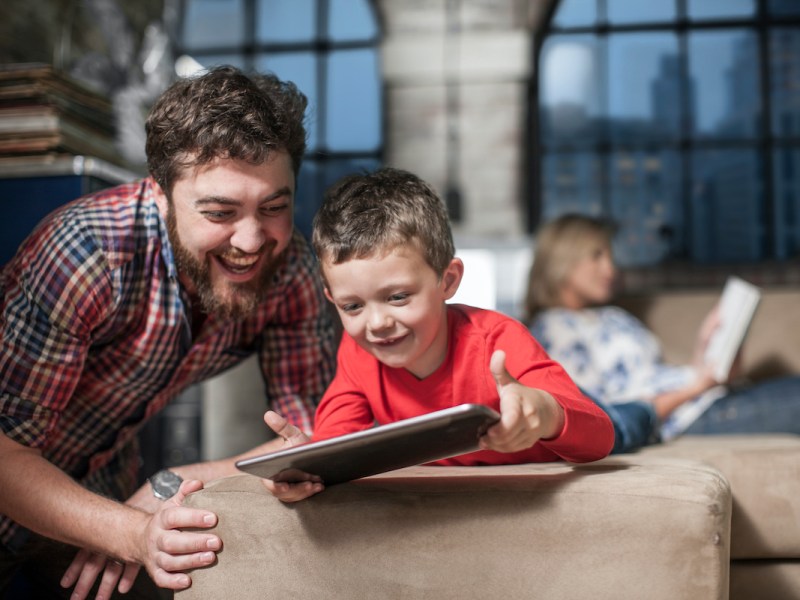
pixel 165 484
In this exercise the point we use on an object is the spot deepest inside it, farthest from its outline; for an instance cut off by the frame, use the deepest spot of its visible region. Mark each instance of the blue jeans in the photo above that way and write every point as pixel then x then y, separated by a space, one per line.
pixel 635 424
pixel 769 407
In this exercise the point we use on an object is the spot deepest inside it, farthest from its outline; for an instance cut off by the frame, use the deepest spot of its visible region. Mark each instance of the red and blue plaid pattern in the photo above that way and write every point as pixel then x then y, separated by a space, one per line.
pixel 96 337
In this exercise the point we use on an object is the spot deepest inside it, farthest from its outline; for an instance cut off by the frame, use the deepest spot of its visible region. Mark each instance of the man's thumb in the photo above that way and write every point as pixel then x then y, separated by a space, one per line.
pixel 497 365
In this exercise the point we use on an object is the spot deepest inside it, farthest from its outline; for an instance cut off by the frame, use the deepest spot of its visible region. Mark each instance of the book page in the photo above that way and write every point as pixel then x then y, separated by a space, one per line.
pixel 737 306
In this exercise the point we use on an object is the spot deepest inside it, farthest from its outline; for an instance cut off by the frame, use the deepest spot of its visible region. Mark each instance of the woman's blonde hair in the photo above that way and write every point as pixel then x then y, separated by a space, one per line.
pixel 559 246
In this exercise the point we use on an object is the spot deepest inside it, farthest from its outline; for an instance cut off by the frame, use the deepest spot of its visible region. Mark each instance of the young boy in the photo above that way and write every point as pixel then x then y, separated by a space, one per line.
pixel 387 258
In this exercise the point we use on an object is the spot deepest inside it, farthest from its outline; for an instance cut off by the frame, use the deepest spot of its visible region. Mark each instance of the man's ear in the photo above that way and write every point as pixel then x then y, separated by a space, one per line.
pixel 451 278
pixel 161 200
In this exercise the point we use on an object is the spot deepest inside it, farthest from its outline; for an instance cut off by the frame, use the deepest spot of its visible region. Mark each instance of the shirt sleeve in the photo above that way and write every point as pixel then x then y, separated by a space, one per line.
pixel 56 291
pixel 297 354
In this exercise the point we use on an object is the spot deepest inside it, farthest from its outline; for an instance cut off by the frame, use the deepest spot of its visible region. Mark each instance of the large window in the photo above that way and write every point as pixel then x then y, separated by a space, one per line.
pixel 679 120
pixel 329 49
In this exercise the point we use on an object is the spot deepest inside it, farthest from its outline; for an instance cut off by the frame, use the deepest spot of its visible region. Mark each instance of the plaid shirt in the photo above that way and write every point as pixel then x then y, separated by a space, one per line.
pixel 96 338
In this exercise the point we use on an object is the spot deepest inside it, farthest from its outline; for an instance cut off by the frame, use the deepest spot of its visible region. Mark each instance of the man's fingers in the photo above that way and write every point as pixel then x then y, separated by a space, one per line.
pixel 182 517
pixel 187 487
pixel 128 577
pixel 74 570
pixel 111 575
pixel 91 569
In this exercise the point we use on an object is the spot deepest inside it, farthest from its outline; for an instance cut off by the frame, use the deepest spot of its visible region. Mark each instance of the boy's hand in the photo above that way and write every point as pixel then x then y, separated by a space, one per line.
pixel 297 490
pixel 526 414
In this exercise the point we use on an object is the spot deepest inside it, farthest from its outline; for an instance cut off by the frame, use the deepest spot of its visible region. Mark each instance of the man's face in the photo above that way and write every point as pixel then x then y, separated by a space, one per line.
pixel 229 222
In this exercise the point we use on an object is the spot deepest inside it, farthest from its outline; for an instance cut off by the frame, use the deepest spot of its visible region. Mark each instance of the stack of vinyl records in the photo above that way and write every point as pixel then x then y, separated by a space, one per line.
pixel 45 115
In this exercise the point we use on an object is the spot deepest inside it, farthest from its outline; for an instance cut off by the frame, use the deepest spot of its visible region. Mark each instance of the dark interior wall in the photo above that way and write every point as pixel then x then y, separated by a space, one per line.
pixel 97 41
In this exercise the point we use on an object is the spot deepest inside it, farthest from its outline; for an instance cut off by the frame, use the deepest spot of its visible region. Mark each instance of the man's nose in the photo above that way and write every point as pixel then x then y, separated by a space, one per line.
pixel 249 236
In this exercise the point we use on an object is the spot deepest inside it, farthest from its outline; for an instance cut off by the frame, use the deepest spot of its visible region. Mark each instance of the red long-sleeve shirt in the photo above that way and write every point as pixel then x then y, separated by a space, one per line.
pixel 365 391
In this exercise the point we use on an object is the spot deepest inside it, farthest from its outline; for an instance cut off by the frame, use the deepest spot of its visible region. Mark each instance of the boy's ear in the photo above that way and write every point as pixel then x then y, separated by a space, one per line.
pixel 451 278
pixel 327 293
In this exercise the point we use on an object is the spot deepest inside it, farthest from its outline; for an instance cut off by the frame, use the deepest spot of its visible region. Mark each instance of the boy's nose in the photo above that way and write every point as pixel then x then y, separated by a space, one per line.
pixel 379 319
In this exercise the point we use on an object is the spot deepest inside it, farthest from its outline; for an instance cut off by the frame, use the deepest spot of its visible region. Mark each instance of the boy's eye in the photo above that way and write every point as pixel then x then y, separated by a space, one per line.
pixel 398 298
pixel 350 308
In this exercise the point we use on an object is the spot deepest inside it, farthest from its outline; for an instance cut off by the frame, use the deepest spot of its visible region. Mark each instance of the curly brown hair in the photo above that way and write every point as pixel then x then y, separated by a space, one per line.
pixel 366 214
pixel 224 113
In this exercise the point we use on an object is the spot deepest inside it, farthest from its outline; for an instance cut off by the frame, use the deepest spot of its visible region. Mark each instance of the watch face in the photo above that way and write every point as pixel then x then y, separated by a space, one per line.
pixel 165 484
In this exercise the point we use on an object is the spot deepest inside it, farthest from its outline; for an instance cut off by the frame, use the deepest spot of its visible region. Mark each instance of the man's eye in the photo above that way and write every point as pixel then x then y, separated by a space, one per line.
pixel 275 209
pixel 217 215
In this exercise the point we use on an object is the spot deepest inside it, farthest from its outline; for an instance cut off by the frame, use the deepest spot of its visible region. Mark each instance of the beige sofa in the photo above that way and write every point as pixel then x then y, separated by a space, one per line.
pixel 700 517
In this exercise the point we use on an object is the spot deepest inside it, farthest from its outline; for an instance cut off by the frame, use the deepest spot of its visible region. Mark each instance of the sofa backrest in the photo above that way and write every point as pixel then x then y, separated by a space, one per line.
pixel 772 346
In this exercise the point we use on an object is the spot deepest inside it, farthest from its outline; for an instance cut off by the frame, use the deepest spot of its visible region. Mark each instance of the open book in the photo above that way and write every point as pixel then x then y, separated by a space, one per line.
pixel 737 306
pixel 736 309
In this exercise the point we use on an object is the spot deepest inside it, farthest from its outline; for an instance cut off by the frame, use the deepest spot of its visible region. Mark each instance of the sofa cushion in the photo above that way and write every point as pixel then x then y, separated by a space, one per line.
pixel 611 529
pixel 764 474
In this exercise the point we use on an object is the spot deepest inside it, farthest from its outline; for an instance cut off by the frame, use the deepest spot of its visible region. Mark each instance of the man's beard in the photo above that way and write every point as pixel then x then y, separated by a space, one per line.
pixel 238 300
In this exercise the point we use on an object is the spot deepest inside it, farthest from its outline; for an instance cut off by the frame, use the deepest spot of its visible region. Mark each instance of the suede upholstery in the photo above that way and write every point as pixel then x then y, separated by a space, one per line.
pixel 619 528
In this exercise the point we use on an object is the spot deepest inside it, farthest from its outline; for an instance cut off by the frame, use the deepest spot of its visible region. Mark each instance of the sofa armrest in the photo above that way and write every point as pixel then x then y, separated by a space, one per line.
pixel 617 528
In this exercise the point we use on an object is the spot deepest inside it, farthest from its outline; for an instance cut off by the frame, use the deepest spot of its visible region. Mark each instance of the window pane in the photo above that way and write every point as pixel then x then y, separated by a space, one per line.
pixel 638 11
pixel 353 101
pixel 786 179
pixel 300 68
pixel 785 81
pixel 571 182
pixel 351 20
pixel 720 9
pixel 725 79
pixel 216 60
pixel 645 97
pixel 646 204
pixel 575 13
pixel 727 202
pixel 569 90
pixel 213 23
pixel 784 7
pixel 285 20
pixel 314 178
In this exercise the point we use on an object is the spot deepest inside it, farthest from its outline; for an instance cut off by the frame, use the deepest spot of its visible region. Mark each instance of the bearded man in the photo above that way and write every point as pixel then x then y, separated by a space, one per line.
pixel 119 301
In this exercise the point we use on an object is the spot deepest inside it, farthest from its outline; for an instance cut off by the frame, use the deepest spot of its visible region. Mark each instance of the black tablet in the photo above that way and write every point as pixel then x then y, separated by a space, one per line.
pixel 414 441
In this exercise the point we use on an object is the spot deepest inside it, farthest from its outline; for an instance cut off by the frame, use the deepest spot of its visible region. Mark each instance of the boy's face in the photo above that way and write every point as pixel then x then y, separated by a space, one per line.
pixel 393 306
pixel 229 222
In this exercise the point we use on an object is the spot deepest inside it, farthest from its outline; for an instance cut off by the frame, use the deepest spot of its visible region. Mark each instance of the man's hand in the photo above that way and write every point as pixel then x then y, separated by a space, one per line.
pixel 526 414
pixel 292 436
pixel 166 551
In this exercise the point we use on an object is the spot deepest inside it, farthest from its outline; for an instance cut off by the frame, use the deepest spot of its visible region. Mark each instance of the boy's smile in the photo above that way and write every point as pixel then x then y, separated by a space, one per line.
pixel 393 305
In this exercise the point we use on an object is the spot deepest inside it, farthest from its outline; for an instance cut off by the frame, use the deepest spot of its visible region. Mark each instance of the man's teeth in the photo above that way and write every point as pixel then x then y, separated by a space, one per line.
pixel 241 263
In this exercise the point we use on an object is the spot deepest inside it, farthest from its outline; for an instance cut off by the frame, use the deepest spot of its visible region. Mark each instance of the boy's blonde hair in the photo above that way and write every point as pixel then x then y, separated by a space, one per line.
pixel 560 245
pixel 367 214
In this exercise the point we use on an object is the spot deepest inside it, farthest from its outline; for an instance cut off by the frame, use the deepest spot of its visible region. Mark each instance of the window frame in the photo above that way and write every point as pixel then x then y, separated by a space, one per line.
pixel 678 270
